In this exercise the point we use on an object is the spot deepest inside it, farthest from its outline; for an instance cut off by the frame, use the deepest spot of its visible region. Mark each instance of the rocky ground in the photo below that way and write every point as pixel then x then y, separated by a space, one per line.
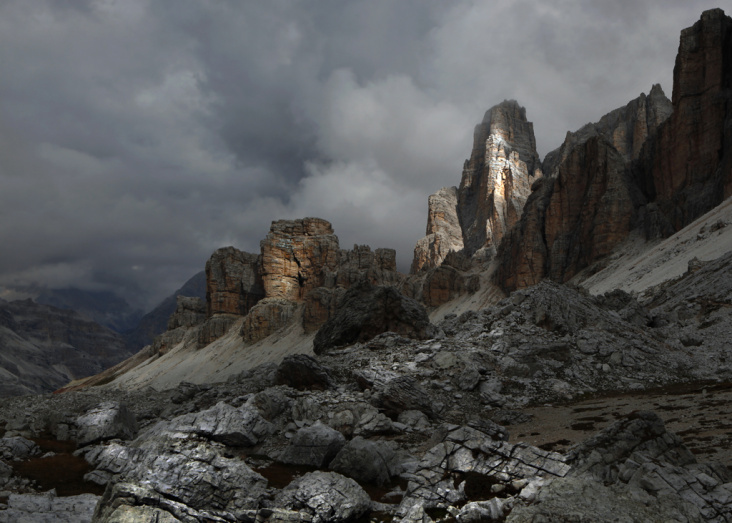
pixel 535 408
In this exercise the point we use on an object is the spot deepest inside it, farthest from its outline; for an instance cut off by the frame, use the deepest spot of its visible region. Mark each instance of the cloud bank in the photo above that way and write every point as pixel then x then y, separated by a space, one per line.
pixel 137 136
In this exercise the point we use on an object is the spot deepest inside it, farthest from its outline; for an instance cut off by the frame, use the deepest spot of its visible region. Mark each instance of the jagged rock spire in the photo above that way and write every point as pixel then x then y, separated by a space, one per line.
pixel 495 184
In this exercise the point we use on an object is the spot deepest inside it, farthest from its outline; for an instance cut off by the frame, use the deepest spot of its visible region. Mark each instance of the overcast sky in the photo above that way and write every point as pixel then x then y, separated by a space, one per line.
pixel 137 136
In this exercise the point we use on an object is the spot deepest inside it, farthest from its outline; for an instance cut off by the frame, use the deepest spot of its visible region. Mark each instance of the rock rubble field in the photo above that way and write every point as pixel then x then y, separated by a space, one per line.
pixel 402 429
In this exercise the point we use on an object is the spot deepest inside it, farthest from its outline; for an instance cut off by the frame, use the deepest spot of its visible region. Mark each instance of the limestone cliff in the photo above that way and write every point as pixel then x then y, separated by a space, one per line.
pixel 299 277
pixel 297 255
pixel 233 282
pixel 687 169
pixel 233 287
pixel 496 182
pixel 497 178
pixel 443 231
pixel 641 166
pixel 589 203
pixel 626 128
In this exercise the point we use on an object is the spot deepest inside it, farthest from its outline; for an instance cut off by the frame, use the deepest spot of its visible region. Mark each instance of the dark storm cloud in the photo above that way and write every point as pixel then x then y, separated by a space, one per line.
pixel 137 136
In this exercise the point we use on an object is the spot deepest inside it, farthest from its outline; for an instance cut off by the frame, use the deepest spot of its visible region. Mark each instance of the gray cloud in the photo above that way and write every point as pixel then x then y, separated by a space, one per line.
pixel 138 136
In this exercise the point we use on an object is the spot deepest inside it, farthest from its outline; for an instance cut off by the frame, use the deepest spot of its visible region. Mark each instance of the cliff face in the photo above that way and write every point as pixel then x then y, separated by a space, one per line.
pixel 300 276
pixel 651 165
pixel 497 178
pixel 233 282
pixel 590 202
pixel 297 255
pixel 687 169
pixel 626 129
pixel 443 231
pixel 495 184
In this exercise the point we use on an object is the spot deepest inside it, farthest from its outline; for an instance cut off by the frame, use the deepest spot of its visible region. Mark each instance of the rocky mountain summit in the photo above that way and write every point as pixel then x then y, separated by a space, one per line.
pixel 495 184
pixel 318 384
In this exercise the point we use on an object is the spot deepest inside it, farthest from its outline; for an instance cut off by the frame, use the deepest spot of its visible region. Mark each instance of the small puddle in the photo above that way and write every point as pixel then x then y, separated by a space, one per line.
pixel 63 471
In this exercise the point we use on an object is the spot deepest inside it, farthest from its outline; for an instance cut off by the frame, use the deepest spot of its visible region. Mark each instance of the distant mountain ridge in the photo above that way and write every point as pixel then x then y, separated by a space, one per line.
pixel 103 307
pixel 44 347
pixel 156 321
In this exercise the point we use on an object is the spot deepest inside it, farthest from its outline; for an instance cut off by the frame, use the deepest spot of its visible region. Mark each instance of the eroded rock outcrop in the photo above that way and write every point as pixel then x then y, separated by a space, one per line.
pixel 495 184
pixel 687 169
pixel 233 286
pixel 590 203
pixel 233 282
pixel 641 166
pixel 467 224
pixel 296 257
pixel 443 235
pixel 498 176
pixel 299 278
pixel 367 311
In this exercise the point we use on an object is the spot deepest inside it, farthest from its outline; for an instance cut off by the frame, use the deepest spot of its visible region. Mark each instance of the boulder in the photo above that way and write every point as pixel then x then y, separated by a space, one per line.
pixel 326 496
pixel 313 446
pixel 238 427
pixel 366 461
pixel 14 448
pixel 49 508
pixel 108 420
pixel 183 473
pixel 367 311
pixel 302 372
pixel 467 462
pixel 404 393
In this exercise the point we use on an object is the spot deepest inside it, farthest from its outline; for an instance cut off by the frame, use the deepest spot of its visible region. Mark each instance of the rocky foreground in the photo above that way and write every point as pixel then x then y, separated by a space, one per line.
pixel 398 429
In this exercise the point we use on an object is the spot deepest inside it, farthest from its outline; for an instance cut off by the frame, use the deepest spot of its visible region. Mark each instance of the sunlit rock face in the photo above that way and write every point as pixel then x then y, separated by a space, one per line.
pixel 496 182
pixel 497 178
pixel 296 257
pixel 687 170
pixel 443 231
pixel 588 203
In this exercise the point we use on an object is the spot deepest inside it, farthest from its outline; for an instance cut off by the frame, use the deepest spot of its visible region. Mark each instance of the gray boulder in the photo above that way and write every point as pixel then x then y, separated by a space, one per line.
pixel 405 393
pixel 238 427
pixel 328 497
pixel 48 508
pixel 367 311
pixel 187 472
pixel 302 372
pixel 313 446
pixel 366 461
pixel 481 511
pixel 479 459
pixel 108 420
pixel 16 448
